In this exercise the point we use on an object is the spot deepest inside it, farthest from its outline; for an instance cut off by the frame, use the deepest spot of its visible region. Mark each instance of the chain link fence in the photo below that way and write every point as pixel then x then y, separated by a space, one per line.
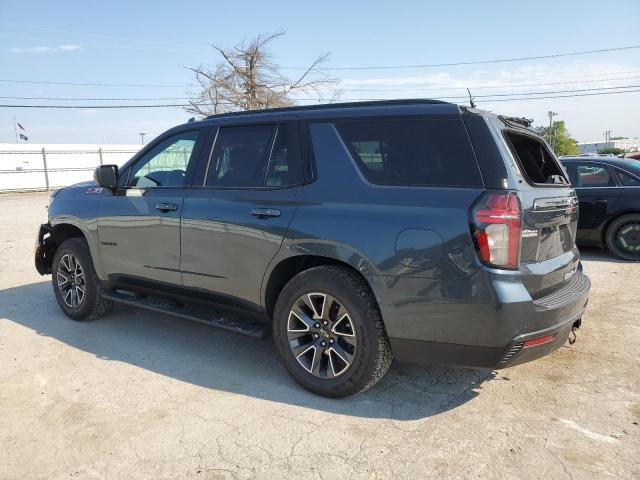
pixel 49 166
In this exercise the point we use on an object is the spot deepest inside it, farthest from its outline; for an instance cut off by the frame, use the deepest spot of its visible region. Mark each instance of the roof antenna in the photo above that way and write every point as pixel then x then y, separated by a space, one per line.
pixel 471 102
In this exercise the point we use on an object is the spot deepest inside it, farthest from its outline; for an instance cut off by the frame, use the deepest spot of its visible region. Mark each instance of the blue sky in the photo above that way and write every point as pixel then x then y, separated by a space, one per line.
pixel 144 42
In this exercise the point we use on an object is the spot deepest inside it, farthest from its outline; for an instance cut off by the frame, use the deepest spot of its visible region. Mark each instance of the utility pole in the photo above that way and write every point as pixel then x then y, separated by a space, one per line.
pixel 551 139
pixel 142 134
pixel 607 138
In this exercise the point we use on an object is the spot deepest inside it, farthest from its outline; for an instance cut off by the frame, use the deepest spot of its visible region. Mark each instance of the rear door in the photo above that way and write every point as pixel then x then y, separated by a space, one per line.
pixel 139 223
pixel 236 215
pixel 597 190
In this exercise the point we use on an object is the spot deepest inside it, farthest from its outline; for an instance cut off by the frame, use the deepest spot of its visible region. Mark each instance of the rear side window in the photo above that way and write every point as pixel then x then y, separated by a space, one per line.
pixel 412 151
pixel 536 161
pixel 627 180
pixel 255 156
pixel 589 175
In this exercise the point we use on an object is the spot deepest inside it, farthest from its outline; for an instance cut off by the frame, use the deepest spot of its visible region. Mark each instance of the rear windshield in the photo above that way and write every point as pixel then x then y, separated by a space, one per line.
pixel 537 163
pixel 412 151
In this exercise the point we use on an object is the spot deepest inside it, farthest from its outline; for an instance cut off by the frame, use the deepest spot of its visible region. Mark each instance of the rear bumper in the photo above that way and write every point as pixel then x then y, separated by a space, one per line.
pixel 505 334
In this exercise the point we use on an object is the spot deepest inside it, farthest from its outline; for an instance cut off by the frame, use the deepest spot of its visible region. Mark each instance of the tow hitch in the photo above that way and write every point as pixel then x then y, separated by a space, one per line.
pixel 572 334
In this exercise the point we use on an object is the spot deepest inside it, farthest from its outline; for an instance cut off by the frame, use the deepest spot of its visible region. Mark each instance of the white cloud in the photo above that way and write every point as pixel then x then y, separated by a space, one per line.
pixel 46 49
pixel 70 48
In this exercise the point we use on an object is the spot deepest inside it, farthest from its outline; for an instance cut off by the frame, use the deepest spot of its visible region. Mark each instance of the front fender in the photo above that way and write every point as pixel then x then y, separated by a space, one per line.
pixel 78 207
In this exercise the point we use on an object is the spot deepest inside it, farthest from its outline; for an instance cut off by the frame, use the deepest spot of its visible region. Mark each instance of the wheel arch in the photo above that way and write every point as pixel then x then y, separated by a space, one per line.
pixel 285 269
pixel 58 233
pixel 64 231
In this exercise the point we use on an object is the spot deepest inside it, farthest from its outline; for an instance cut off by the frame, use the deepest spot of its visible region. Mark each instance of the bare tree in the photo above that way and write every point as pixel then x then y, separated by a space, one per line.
pixel 247 78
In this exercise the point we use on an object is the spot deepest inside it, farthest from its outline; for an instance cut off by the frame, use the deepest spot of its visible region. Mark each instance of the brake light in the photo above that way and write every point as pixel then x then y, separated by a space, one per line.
pixel 496 227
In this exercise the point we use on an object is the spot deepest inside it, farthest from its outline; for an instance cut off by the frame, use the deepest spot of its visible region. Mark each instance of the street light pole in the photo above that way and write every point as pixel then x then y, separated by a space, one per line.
pixel 142 134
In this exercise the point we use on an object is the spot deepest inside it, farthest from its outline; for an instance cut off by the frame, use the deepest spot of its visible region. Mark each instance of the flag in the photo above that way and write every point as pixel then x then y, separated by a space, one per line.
pixel 23 137
pixel 20 126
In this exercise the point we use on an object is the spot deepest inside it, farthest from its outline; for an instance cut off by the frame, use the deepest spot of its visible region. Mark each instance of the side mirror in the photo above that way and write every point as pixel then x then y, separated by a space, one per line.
pixel 106 176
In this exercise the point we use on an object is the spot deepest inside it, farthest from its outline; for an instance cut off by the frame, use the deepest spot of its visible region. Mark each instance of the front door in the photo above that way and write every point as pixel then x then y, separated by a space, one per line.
pixel 235 223
pixel 139 224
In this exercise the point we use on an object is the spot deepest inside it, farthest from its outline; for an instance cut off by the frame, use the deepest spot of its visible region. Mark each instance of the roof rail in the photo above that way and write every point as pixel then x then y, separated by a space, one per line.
pixel 297 108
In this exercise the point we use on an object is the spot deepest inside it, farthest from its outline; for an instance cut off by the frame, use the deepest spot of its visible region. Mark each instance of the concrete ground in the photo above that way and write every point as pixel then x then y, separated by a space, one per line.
pixel 141 395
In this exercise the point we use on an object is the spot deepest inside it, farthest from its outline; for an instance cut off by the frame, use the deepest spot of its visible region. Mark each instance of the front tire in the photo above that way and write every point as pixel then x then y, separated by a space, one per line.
pixel 329 333
pixel 75 284
pixel 623 237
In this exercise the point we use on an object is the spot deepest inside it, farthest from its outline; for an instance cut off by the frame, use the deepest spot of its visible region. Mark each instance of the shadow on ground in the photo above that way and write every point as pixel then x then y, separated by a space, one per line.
pixel 595 254
pixel 212 358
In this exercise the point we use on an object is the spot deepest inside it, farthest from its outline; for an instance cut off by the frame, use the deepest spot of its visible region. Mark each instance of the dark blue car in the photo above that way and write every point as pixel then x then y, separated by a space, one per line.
pixel 608 189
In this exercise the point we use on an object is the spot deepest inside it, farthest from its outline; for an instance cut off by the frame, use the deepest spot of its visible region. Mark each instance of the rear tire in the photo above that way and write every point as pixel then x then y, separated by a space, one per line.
pixel 75 284
pixel 340 299
pixel 623 237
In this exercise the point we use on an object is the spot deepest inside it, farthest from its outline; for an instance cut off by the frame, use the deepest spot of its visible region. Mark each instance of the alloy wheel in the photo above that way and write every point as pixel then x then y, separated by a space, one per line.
pixel 71 281
pixel 627 238
pixel 321 335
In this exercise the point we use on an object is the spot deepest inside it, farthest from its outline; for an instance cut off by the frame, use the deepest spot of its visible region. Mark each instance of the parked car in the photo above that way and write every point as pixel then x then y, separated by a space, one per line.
pixel 609 193
pixel 420 230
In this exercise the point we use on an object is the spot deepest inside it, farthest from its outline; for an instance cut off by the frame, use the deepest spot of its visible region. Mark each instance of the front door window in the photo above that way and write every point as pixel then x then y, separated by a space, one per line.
pixel 165 165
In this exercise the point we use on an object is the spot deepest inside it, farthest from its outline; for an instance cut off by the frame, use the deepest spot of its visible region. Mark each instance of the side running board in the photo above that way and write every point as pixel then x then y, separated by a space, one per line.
pixel 230 322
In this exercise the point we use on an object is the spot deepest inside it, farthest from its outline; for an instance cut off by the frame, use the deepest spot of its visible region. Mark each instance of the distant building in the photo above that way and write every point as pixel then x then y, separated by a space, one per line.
pixel 627 144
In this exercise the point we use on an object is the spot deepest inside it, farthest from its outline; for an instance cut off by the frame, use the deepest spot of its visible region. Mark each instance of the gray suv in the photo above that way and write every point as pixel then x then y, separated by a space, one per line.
pixel 357 233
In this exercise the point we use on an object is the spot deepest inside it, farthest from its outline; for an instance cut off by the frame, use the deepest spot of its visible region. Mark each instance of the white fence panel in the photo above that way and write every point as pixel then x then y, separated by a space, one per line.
pixel 22 167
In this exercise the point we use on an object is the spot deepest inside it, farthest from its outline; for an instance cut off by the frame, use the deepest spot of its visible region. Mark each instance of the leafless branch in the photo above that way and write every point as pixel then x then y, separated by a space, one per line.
pixel 247 78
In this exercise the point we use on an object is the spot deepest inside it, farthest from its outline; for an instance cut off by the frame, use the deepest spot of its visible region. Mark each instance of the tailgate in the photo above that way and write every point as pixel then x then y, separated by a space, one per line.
pixel 548 253
pixel 550 220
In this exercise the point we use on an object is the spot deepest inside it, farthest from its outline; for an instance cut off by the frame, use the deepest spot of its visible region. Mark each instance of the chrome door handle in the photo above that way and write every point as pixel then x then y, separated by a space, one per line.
pixel 265 212
pixel 166 207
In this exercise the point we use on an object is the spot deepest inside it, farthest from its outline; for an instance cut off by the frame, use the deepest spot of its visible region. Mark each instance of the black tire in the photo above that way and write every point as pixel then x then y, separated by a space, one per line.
pixel 92 305
pixel 372 357
pixel 624 245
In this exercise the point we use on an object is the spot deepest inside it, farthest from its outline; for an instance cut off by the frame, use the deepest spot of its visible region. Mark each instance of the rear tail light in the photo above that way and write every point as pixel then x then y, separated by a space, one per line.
pixel 496 227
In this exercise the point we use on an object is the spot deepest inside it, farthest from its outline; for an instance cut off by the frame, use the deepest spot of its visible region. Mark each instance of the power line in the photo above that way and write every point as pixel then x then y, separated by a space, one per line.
pixel 560 96
pixel 83 99
pixel 105 99
pixel 490 100
pixel 91 107
pixel 373 82
pixel 488 87
pixel 173 45
pixel 477 62
pixel 97 84
pixel 42 82
pixel 556 91
pixel 504 94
